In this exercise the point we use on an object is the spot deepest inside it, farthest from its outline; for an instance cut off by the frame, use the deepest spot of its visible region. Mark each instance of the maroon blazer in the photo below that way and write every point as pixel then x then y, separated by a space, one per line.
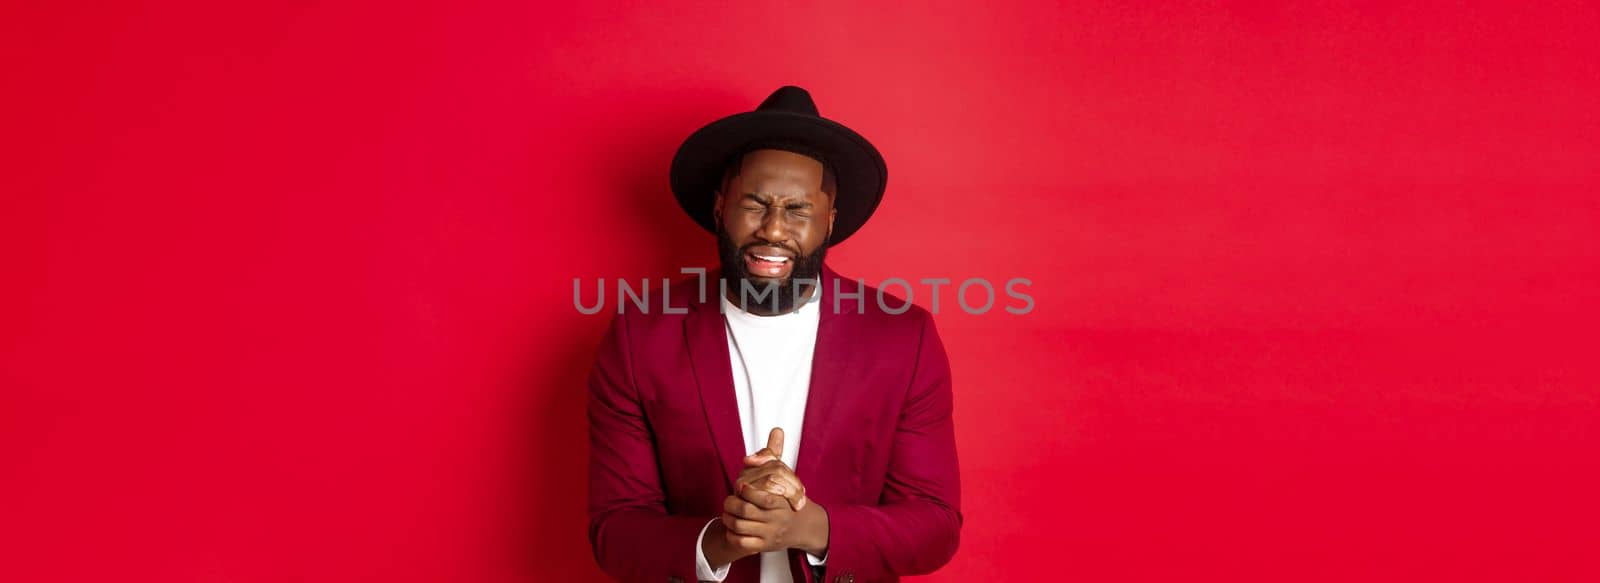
pixel 877 449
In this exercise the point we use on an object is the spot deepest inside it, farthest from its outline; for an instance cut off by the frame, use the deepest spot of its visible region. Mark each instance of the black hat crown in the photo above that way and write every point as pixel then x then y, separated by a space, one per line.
pixel 791 99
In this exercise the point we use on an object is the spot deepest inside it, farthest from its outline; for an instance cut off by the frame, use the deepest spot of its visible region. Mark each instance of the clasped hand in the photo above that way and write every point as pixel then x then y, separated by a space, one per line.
pixel 763 514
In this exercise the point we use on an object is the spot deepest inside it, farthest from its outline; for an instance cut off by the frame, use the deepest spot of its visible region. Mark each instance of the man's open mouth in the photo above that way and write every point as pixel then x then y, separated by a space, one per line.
pixel 768 262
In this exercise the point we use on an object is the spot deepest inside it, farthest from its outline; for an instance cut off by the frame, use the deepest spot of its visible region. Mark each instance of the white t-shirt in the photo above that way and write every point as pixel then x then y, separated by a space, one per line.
pixel 776 350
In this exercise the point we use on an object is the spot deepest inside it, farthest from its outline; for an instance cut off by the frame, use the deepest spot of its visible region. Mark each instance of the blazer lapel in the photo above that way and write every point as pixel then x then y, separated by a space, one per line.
pixel 713 371
pixel 828 380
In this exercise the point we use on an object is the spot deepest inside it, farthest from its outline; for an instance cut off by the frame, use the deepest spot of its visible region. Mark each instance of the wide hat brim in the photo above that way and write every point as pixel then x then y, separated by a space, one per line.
pixel 858 167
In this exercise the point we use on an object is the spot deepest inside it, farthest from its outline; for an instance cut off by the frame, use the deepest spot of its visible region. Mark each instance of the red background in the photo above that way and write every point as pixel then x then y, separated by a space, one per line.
pixel 288 290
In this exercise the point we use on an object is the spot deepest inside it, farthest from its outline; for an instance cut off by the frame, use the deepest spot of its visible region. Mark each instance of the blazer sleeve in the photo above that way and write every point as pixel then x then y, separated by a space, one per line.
pixel 915 526
pixel 632 536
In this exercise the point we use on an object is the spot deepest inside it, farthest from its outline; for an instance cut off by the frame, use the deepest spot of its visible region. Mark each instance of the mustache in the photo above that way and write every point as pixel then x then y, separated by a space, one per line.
pixel 748 247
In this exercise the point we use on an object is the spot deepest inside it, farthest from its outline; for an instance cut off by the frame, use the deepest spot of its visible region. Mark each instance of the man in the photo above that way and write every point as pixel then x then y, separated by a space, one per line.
pixel 785 426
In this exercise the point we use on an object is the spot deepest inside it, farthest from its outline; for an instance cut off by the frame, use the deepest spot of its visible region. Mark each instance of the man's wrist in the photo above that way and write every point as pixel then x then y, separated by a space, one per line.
pixel 703 569
pixel 814 529
pixel 716 548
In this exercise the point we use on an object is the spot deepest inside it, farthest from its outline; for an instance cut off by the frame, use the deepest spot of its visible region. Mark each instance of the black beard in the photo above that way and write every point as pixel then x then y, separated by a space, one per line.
pixel 764 295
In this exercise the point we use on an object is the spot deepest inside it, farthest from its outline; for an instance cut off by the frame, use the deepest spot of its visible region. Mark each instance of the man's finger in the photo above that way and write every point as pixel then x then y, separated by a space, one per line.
pixel 752 475
pixel 759 458
pixel 748 543
pixel 740 507
pixel 742 526
pixel 762 500
pixel 776 479
pixel 768 485
pixel 775 442
pixel 789 490
pixel 773 486
pixel 780 484
pixel 774 483
pixel 773 450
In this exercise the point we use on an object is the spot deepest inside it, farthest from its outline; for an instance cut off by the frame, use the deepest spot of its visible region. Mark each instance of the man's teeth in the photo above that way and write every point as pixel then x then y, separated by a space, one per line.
pixel 778 259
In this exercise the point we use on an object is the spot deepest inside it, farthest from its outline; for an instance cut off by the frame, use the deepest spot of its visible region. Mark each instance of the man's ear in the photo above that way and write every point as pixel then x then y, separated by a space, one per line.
pixel 832 214
pixel 716 208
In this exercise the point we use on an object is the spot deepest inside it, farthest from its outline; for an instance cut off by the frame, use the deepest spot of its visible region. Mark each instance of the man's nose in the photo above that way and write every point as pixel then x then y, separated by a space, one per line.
pixel 773 227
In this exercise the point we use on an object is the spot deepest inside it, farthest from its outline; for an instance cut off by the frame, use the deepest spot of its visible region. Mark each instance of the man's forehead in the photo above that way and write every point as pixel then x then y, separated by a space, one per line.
pixel 776 172
pixel 780 162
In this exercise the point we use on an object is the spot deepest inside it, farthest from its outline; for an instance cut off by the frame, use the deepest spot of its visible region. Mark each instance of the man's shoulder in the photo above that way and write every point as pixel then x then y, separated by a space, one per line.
pixel 878 307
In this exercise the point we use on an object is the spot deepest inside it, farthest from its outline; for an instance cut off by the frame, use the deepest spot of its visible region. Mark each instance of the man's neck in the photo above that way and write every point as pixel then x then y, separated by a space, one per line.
pixel 765 309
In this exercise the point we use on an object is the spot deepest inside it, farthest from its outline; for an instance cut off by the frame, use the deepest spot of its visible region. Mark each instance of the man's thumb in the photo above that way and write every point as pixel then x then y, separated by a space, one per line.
pixel 775 442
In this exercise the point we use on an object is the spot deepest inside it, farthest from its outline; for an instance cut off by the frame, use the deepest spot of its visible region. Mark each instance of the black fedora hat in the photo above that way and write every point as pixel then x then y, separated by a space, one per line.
pixel 787 116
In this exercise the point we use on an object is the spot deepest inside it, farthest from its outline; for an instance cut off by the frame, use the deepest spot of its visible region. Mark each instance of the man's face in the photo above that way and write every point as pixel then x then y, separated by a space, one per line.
pixel 775 221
